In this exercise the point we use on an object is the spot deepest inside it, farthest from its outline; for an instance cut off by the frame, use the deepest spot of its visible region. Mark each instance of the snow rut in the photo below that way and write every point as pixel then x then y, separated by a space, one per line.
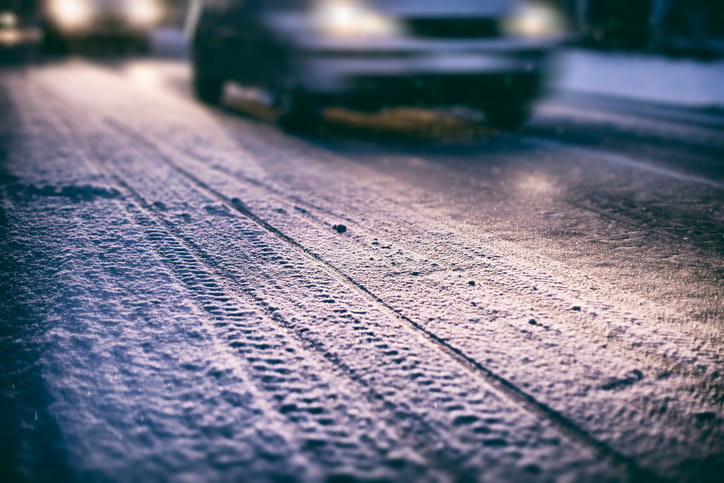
pixel 459 423
pixel 455 423
pixel 226 392
pixel 569 350
pixel 566 349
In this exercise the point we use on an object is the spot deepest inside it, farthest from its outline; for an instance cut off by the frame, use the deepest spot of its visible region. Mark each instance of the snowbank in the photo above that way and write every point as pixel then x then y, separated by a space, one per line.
pixel 684 82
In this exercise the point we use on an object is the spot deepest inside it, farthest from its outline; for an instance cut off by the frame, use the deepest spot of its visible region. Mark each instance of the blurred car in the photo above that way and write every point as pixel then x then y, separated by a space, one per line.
pixel 9 28
pixel 18 33
pixel 369 54
pixel 67 21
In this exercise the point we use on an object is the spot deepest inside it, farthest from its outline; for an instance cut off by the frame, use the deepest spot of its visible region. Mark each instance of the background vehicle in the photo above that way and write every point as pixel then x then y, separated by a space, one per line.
pixel 68 21
pixel 19 33
pixel 308 54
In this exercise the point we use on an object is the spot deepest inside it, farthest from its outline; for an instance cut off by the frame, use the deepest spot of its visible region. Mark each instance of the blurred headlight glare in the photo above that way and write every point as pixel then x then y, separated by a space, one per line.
pixel 71 14
pixel 535 20
pixel 8 20
pixel 352 18
pixel 144 13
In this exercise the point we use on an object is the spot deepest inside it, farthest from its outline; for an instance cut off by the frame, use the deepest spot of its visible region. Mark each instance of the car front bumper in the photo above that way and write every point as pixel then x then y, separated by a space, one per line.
pixel 422 72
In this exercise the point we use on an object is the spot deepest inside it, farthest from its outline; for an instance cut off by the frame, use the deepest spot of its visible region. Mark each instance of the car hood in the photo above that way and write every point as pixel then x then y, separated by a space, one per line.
pixel 443 8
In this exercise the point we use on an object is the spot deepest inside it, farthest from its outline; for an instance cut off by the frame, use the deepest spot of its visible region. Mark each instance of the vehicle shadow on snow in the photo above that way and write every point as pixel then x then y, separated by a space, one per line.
pixel 407 130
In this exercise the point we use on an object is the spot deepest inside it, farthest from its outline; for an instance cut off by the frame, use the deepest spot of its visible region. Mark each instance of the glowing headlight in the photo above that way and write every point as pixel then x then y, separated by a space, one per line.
pixel 71 14
pixel 8 20
pixel 351 18
pixel 144 12
pixel 535 20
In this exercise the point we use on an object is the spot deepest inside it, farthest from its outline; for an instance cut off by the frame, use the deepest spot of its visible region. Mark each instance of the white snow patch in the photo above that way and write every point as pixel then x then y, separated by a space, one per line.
pixel 169 42
pixel 656 79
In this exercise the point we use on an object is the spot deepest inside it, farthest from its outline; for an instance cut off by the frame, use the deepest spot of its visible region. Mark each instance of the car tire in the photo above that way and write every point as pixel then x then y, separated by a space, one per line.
pixel 208 87
pixel 207 82
pixel 298 112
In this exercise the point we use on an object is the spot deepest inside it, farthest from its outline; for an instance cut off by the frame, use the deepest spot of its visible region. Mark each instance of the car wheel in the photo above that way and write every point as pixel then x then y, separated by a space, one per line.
pixel 207 82
pixel 208 87
pixel 509 117
pixel 298 112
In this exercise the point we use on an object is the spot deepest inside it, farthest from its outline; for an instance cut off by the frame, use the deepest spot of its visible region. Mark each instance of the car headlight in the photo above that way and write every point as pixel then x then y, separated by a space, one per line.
pixel 8 20
pixel 144 13
pixel 534 19
pixel 352 18
pixel 71 14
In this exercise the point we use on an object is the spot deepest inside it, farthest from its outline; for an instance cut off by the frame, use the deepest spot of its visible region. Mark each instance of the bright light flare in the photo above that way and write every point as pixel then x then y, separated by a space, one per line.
pixel 351 18
pixel 144 13
pixel 535 185
pixel 71 14
pixel 536 20
pixel 8 20
pixel 144 75
pixel 10 38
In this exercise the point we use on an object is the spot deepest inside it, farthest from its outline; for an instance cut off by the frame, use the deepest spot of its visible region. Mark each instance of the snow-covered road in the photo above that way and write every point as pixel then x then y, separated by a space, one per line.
pixel 180 303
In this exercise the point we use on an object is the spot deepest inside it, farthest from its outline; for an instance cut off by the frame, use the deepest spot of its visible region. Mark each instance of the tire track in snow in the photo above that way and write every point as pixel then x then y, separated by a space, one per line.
pixel 116 412
pixel 297 381
pixel 454 420
pixel 522 397
pixel 539 285
pixel 620 326
pixel 505 386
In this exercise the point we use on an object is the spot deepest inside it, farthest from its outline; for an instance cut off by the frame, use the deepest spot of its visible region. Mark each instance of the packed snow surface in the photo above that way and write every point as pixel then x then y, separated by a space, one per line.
pixel 193 295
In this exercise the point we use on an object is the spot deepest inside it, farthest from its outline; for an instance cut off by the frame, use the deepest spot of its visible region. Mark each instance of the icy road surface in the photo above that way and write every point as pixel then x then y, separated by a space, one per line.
pixel 178 306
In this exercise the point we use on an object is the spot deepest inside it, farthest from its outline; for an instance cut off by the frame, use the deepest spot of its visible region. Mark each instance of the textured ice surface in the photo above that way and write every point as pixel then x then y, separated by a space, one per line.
pixel 192 313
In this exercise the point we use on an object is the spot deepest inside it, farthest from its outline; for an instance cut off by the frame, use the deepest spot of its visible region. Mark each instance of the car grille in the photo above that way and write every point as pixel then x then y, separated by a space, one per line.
pixel 110 21
pixel 453 28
